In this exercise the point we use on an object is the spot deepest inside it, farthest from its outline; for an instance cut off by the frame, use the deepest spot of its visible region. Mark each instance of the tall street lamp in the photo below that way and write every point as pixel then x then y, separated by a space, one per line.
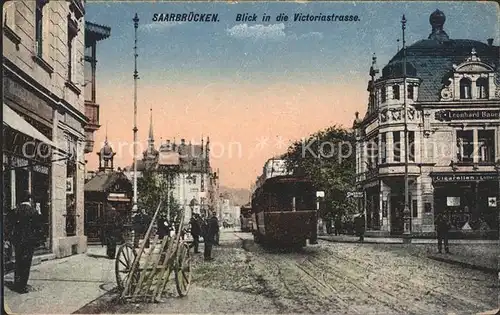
pixel 136 77
pixel 406 211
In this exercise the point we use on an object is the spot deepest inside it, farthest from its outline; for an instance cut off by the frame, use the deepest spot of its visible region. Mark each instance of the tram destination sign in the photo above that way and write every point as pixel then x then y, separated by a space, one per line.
pixel 448 178
pixel 449 115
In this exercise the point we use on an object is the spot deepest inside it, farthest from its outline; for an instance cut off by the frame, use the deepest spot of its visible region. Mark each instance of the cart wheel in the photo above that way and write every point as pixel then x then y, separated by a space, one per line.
pixel 182 270
pixel 123 265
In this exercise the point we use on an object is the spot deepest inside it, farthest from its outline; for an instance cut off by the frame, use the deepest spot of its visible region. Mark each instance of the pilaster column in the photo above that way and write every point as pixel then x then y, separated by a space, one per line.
pixel 475 156
pixel 390 147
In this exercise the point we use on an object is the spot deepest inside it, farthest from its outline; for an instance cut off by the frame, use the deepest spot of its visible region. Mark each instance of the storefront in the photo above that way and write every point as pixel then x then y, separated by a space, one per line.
pixel 26 166
pixel 105 190
pixel 466 198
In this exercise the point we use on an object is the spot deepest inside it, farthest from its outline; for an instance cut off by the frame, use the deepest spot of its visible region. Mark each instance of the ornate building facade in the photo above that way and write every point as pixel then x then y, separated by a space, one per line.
pixel 44 116
pixel 195 185
pixel 452 98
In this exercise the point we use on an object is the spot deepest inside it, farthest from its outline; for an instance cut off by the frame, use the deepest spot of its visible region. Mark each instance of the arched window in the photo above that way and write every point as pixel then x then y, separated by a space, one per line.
pixel 482 88
pixel 383 94
pixel 395 92
pixel 465 88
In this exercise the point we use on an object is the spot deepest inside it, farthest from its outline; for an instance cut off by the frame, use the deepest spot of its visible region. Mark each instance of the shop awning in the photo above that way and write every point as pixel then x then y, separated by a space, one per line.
pixel 16 122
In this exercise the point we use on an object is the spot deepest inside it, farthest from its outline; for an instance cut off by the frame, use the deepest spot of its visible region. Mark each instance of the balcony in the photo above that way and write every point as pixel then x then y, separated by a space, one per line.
pixel 92 113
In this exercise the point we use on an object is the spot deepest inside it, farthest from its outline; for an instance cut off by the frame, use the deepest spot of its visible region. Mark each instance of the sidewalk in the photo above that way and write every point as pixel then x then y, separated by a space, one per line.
pixel 475 254
pixel 62 286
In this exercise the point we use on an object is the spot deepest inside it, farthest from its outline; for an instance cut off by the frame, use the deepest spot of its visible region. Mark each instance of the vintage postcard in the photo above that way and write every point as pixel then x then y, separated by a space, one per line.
pixel 251 157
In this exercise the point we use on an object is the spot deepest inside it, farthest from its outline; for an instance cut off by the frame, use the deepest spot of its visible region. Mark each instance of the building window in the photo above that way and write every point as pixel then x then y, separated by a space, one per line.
pixel 72 32
pixel 486 145
pixel 482 88
pixel 465 88
pixel 374 152
pixel 465 145
pixel 383 147
pixel 411 145
pixel 414 208
pixel 396 136
pixel 39 27
pixel 410 91
pixel 395 92
pixel 383 94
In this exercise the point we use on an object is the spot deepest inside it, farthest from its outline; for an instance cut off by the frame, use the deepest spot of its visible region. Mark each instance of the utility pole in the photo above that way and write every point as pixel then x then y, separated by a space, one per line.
pixel 136 77
pixel 406 211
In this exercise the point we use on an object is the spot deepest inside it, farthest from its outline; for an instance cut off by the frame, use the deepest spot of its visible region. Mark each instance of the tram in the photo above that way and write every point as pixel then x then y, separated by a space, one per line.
pixel 285 212
pixel 246 218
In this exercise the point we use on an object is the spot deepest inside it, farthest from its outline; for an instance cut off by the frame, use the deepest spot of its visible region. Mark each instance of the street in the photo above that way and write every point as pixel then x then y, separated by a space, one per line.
pixel 335 278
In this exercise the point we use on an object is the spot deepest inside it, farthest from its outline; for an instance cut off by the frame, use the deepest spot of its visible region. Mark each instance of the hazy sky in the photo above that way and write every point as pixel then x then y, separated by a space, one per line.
pixel 253 87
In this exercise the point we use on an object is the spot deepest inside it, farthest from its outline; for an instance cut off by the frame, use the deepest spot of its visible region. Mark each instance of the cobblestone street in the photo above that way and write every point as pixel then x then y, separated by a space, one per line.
pixel 335 278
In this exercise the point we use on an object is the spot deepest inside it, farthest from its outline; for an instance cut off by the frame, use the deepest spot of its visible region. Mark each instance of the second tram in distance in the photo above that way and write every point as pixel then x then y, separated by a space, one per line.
pixel 284 212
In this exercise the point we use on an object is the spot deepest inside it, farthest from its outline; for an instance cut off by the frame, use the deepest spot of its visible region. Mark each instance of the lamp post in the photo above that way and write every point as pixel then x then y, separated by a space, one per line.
pixel 136 76
pixel 406 211
pixel 497 167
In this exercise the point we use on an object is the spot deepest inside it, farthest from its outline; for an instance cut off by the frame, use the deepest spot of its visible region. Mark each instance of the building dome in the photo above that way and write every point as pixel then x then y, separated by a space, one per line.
pixel 432 59
pixel 437 19
pixel 106 150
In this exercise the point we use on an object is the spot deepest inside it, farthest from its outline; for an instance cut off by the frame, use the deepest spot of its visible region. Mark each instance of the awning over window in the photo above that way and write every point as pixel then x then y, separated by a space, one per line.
pixel 16 122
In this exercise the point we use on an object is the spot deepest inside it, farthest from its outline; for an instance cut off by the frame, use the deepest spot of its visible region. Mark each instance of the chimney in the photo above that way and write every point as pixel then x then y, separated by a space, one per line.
pixel 490 42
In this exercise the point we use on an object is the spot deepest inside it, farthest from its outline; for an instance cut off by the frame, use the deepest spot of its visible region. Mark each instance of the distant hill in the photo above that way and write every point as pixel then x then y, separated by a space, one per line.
pixel 237 196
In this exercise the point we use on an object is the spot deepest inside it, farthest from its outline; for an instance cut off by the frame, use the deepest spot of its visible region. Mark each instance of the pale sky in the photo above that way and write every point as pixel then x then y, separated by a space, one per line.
pixel 252 87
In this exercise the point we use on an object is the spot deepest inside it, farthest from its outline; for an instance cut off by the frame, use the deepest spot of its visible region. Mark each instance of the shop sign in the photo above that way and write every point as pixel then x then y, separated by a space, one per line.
pixel 41 169
pixel 355 194
pixel 449 115
pixel 117 195
pixel 453 201
pixel 492 202
pixel 19 162
pixel 463 177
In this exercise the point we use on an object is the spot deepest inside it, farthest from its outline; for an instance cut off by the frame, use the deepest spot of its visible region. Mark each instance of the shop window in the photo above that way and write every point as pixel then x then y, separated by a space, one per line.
pixel 71 198
pixel 414 209
pixel 383 95
pixel 396 136
pixel 465 88
pixel 482 88
pixel 486 145
pixel 395 92
pixel 373 151
pixel 383 147
pixel 410 91
pixel 465 146
pixel 411 146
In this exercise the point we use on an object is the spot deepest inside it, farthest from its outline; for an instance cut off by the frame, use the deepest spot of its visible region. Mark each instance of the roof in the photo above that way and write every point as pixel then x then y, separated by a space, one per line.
pixel 102 181
pixel 432 61
pixel 95 32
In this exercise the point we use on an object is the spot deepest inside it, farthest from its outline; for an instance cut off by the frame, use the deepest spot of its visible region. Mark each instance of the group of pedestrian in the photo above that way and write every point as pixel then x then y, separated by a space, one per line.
pixel 206 228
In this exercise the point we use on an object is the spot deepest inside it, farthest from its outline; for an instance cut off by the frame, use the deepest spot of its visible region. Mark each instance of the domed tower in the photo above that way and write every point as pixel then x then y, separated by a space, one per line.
pixel 437 19
pixel 106 156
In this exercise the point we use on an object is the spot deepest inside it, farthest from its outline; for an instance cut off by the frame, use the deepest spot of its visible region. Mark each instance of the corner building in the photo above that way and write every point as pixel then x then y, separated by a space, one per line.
pixel 453 122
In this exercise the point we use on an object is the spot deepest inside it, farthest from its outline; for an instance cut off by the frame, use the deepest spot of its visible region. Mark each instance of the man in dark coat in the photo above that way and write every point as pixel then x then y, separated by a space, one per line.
pixel 195 231
pixel 112 231
pixel 359 224
pixel 338 224
pixel 442 228
pixel 141 225
pixel 210 236
pixel 24 225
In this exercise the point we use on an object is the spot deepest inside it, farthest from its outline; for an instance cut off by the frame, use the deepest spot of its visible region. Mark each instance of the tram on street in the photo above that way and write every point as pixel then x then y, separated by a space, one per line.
pixel 285 212
pixel 246 221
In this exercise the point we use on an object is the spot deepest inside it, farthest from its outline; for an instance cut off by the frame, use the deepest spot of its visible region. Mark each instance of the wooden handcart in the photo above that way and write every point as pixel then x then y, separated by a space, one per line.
pixel 143 273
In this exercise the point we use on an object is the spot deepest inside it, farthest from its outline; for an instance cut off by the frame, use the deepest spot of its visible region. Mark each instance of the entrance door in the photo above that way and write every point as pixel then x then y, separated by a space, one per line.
pixel 397 219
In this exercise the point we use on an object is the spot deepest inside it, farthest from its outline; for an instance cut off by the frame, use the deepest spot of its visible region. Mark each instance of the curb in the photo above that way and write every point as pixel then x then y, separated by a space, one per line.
pixel 414 241
pixel 463 264
pixel 357 242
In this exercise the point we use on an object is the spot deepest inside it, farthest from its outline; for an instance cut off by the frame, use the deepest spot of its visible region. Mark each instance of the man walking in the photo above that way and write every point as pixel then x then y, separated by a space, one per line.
pixel 24 224
pixel 112 231
pixel 338 224
pixel 442 228
pixel 210 236
pixel 359 224
pixel 195 232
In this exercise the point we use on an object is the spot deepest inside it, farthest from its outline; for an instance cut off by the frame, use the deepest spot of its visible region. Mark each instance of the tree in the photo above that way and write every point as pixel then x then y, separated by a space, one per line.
pixel 152 188
pixel 328 158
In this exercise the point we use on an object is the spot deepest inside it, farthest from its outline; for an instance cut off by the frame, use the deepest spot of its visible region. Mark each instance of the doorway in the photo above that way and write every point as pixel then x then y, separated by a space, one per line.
pixel 397 219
